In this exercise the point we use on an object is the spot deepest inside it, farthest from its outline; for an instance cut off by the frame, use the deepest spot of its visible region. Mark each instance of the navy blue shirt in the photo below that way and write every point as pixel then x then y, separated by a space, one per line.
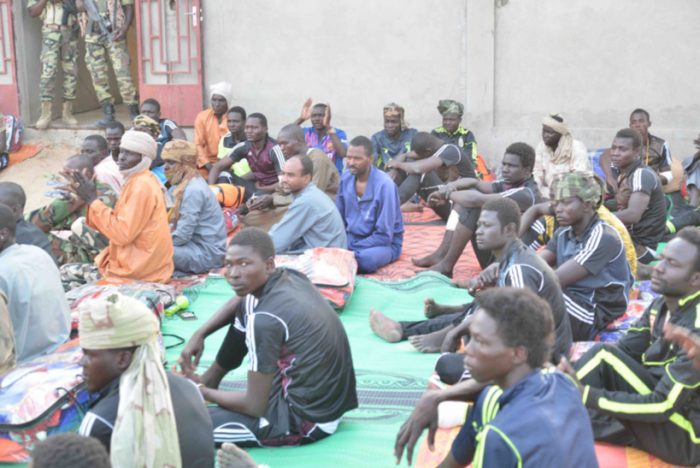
pixel 540 421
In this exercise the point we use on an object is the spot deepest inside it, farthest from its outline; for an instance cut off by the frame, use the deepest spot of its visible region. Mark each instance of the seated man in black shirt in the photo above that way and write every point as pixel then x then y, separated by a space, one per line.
pixel 469 194
pixel 643 390
pixel 516 266
pixel 301 378
pixel 637 198
pixel 143 415
pixel 420 175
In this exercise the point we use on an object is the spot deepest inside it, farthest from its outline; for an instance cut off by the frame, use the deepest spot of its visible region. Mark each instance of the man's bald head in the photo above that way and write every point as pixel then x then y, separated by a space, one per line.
pixel 293 132
pixel 81 162
pixel 425 145
pixel 12 195
pixel 291 140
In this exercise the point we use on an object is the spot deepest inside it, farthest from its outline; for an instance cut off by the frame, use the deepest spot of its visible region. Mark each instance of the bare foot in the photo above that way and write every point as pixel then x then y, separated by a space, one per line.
pixel 442 269
pixel 432 309
pixel 230 456
pixel 430 260
pixel 430 343
pixel 384 327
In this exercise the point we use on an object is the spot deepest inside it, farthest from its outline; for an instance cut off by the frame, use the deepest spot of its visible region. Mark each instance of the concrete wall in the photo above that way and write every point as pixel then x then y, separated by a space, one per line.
pixel 510 61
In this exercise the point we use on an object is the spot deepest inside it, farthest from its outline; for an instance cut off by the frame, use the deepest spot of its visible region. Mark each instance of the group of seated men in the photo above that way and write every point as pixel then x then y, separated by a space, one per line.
pixel 137 205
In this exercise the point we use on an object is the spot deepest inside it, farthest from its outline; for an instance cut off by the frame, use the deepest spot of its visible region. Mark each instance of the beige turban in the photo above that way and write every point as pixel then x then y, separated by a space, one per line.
pixel 139 142
pixel 222 88
pixel 181 151
pixel 564 150
pixel 181 175
pixel 560 127
pixel 145 433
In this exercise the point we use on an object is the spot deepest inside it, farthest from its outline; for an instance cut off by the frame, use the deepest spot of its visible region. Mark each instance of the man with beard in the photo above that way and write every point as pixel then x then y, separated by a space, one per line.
pixel 368 202
pixel 643 390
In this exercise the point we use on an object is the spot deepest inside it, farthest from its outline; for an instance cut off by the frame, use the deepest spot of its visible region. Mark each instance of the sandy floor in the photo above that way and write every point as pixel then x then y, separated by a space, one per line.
pixel 33 173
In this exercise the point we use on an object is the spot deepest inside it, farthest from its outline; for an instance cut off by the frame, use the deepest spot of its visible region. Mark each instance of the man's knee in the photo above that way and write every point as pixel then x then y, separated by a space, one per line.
pixel 371 260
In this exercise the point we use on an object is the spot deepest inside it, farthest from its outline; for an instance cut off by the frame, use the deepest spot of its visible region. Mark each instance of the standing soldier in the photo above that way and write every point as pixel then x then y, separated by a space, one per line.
pixel 104 24
pixel 59 43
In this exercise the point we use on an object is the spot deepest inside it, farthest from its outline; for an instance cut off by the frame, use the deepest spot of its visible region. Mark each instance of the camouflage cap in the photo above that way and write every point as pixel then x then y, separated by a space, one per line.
pixel 582 184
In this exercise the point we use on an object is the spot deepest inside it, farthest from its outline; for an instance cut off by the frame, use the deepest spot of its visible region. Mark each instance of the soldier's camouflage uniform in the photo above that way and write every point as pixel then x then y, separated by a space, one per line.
pixel 97 48
pixel 59 46
pixel 83 243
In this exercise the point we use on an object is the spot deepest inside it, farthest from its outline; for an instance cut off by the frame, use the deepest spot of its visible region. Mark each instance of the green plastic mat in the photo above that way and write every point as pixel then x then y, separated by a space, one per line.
pixel 390 377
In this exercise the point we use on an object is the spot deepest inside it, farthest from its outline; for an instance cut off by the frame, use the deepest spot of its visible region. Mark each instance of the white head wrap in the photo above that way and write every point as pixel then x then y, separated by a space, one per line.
pixel 560 127
pixel 222 88
pixel 139 142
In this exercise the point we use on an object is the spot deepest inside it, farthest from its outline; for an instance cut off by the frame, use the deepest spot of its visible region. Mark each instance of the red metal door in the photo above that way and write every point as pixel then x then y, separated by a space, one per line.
pixel 9 96
pixel 170 58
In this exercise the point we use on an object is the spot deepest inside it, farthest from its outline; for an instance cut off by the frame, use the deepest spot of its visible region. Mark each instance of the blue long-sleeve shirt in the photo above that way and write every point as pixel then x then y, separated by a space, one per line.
pixel 311 221
pixel 201 224
pixel 375 220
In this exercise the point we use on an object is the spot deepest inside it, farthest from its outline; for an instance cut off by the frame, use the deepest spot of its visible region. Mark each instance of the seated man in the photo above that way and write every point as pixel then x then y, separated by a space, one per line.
pixel 558 152
pixel 301 378
pixel 168 130
pixel 143 415
pixel 637 198
pixel 588 255
pixel 312 219
pixel 643 391
pixel 522 415
pixel 518 266
pixel 264 157
pixel 196 221
pixel 140 246
pixel 12 195
pixel 8 359
pixel 539 225
pixel 394 139
pixel 421 176
pixel 106 169
pixel 113 134
pixel 653 151
pixel 321 134
pixel 210 125
pixel 235 122
pixel 325 176
pixel 68 214
pixel 469 194
pixel 452 131
pixel 31 283
pixel 368 202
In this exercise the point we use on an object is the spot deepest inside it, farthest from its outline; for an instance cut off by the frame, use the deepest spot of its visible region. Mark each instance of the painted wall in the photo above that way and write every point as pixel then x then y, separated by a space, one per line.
pixel 510 61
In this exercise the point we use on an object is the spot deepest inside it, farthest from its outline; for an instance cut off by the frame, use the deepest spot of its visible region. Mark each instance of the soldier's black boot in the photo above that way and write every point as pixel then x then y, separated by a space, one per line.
pixel 108 110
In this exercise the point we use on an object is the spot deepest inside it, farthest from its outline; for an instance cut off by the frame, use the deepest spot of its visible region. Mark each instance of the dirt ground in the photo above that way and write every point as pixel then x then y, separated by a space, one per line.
pixel 33 173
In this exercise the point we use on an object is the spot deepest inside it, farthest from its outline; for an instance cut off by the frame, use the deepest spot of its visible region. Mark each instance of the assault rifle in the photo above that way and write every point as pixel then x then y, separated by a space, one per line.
pixel 94 16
